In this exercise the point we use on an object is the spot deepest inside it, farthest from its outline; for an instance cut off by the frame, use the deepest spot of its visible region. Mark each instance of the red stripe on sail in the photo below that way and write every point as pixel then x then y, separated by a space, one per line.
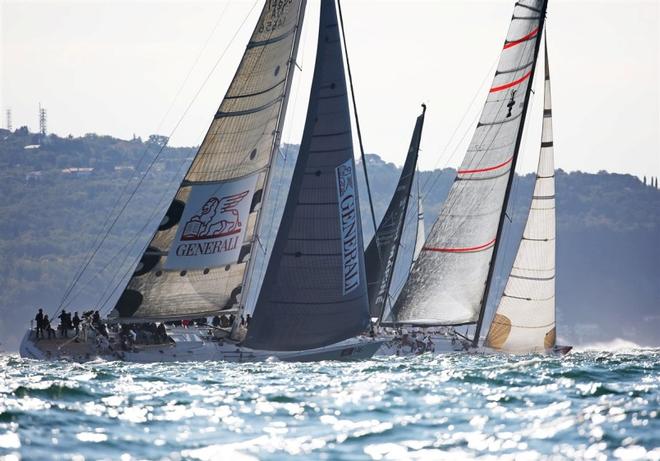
pixel 531 35
pixel 460 250
pixel 490 168
pixel 509 85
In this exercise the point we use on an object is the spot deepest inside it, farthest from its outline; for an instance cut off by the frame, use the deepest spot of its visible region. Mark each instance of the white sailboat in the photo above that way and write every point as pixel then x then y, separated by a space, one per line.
pixel 451 280
pixel 524 321
pixel 312 303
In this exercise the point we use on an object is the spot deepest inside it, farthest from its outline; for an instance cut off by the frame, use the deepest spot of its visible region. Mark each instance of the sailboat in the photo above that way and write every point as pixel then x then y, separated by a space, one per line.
pixel 382 253
pixel 524 321
pixel 451 280
pixel 312 304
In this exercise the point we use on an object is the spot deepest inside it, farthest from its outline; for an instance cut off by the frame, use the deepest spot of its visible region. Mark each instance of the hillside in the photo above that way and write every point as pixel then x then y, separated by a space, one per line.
pixel 62 194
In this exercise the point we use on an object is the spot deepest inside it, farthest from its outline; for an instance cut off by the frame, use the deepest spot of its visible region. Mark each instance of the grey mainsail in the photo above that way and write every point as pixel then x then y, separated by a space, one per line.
pixel 525 317
pixel 196 262
pixel 381 254
pixel 448 283
pixel 314 292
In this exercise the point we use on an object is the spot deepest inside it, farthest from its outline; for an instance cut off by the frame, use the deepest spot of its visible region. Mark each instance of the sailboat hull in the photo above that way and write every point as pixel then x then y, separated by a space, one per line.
pixel 435 344
pixel 189 345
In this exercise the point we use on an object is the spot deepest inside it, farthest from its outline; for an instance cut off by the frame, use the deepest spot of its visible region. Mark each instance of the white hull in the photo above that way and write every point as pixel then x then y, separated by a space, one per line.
pixel 189 345
pixel 438 344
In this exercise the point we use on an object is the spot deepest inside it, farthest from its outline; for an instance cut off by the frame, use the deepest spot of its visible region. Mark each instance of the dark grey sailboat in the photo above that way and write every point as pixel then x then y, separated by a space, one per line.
pixel 382 252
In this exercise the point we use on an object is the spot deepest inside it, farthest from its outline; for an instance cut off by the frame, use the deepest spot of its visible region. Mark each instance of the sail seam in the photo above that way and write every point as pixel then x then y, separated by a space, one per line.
pixel 473 249
pixel 483 170
pixel 531 35
pixel 522 5
pixel 515 69
pixel 247 111
pixel 247 95
pixel 531 278
pixel 495 89
pixel 528 299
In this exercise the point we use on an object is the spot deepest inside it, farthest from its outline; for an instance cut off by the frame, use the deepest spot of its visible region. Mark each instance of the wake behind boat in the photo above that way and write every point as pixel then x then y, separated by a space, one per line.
pixel 200 262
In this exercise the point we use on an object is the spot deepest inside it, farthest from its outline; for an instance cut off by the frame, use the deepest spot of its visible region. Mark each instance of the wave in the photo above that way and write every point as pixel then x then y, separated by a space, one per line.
pixel 615 345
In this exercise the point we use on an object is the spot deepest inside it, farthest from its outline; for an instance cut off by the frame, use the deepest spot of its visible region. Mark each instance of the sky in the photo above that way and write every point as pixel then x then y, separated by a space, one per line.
pixel 152 66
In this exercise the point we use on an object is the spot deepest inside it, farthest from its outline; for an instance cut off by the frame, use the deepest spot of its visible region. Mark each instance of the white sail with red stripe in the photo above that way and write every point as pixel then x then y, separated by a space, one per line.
pixel 525 318
pixel 449 281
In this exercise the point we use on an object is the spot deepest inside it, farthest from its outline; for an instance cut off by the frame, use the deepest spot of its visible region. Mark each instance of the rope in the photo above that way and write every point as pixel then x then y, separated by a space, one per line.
pixel 357 120
pixel 151 164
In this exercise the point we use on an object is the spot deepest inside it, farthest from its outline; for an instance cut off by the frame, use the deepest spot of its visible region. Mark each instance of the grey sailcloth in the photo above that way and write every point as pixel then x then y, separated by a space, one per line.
pixel 448 281
pixel 314 292
pixel 525 317
pixel 195 263
pixel 381 254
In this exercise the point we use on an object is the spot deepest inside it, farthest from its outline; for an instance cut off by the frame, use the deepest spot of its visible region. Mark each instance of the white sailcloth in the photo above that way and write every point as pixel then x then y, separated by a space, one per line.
pixel 447 282
pixel 525 317
pixel 196 262
pixel 421 231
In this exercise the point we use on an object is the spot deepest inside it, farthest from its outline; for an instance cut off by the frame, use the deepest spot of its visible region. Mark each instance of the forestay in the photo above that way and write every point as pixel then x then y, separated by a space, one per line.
pixel 448 280
pixel 195 263
pixel 314 292
pixel 381 254
pixel 525 317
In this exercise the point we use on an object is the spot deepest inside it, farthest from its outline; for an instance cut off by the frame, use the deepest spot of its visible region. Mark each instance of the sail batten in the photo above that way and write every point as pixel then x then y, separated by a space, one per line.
pixel 525 316
pixel 197 260
pixel 447 286
pixel 314 289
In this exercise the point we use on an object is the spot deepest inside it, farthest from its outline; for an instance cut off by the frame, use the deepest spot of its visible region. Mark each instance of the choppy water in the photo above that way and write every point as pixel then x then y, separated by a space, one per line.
pixel 587 405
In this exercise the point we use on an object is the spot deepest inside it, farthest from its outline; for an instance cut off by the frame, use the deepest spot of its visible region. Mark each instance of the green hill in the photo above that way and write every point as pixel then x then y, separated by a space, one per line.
pixel 62 194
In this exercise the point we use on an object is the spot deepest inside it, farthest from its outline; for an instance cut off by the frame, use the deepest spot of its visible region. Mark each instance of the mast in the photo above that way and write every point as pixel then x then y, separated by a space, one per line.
pixel 500 227
pixel 248 275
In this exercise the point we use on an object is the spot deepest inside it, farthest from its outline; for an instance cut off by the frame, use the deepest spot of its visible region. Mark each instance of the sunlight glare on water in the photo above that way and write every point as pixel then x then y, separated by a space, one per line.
pixel 588 405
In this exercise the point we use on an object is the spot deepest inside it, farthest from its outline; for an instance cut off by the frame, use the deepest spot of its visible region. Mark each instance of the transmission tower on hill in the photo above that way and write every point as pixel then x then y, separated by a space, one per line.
pixel 42 120
pixel 9 127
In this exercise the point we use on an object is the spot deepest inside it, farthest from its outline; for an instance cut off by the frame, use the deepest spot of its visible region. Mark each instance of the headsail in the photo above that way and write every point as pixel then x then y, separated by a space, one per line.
pixel 381 254
pixel 314 292
pixel 525 317
pixel 196 261
pixel 447 284
pixel 421 229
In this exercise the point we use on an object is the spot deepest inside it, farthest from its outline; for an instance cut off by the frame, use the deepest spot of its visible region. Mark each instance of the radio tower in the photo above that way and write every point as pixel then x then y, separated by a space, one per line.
pixel 42 120
pixel 9 127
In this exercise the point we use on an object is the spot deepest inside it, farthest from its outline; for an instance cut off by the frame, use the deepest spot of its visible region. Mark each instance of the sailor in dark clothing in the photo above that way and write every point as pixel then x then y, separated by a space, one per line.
pixel 46 326
pixel 39 318
pixel 216 321
pixel 247 320
pixel 76 323
pixel 63 324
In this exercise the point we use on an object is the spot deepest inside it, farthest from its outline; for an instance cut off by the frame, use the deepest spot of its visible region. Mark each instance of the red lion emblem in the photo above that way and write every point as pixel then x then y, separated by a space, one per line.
pixel 217 218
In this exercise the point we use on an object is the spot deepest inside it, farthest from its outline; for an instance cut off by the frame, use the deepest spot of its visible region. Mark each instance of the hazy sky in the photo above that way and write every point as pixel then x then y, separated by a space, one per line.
pixel 115 67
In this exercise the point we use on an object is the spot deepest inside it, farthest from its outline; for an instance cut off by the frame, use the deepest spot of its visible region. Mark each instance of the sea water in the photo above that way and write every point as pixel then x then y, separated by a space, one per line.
pixel 587 405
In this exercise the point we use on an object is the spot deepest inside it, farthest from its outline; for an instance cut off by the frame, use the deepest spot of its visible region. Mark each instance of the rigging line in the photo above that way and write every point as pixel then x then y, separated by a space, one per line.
pixel 68 302
pixel 460 123
pixel 357 120
pixel 153 161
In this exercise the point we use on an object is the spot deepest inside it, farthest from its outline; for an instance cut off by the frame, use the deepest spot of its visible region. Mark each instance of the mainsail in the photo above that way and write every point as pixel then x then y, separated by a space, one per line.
pixel 314 292
pixel 381 254
pixel 525 317
pixel 448 282
pixel 196 262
